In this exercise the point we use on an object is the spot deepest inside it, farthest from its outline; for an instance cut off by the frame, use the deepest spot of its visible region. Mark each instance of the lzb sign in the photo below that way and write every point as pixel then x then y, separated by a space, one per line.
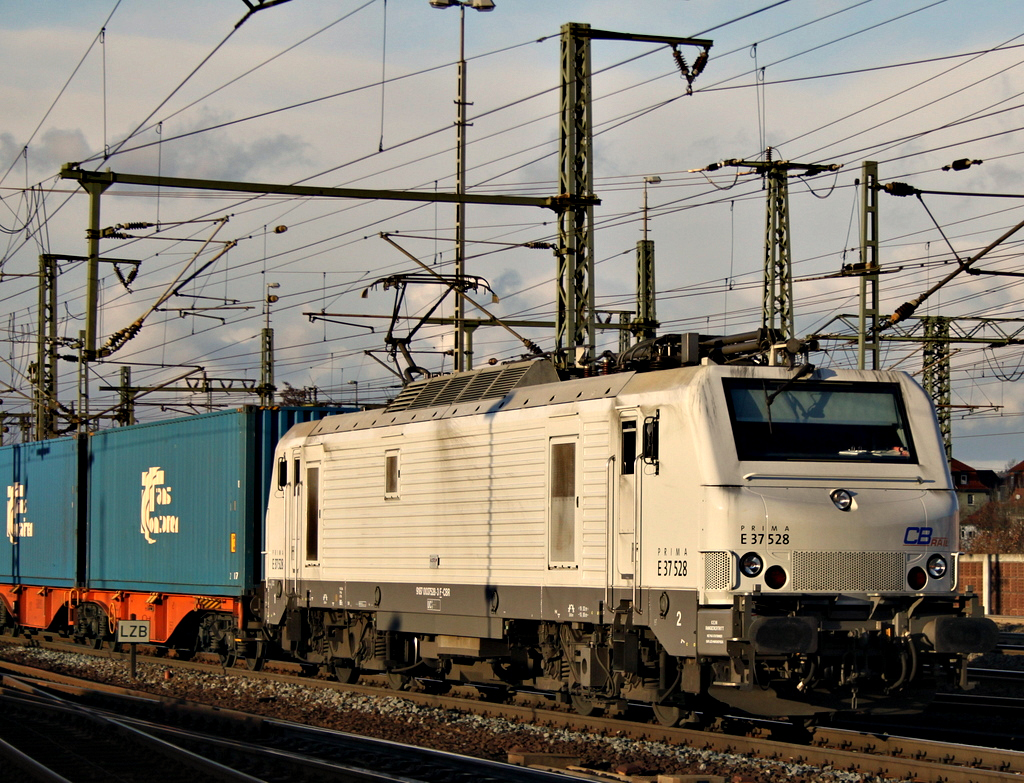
pixel 133 631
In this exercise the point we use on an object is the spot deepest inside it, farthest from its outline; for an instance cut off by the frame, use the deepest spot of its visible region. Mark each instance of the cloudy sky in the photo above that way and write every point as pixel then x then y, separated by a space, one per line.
pixel 357 93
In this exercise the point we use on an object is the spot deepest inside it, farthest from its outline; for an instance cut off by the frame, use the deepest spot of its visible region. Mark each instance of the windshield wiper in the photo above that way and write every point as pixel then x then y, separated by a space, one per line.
pixel 801 371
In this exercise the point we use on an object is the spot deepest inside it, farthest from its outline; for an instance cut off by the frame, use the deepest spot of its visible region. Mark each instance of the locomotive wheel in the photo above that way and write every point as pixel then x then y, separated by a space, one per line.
pixel 228 657
pixel 398 681
pixel 667 714
pixel 344 670
pixel 584 706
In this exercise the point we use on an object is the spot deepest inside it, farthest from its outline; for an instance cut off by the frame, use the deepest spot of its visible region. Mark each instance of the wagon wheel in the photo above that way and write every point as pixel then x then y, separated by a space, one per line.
pixel 8 627
pixel 254 662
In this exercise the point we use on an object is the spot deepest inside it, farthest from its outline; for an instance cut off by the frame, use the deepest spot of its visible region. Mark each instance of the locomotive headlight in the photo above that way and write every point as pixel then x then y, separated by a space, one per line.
pixel 936 566
pixel 751 564
pixel 842 498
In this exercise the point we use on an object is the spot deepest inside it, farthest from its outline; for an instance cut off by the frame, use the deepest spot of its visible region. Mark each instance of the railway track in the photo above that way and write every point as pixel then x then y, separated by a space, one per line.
pixel 866 750
pixel 1011 643
pixel 72 732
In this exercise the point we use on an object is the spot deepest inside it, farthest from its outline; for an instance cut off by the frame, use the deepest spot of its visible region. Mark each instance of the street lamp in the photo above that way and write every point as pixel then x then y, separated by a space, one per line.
pixel 463 359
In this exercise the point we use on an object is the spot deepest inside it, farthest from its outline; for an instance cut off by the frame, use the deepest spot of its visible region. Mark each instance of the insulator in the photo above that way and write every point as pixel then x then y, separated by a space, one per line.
pixel 680 62
pixel 699 63
pixel 134 226
pixel 961 164
pixel 899 189
pixel 280 229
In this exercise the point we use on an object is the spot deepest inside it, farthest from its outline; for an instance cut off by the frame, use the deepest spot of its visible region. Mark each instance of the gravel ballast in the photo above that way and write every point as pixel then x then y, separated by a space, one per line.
pixel 399 720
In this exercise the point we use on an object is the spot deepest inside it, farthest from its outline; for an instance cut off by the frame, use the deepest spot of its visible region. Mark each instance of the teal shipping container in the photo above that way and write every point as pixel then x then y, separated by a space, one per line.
pixel 41 483
pixel 178 506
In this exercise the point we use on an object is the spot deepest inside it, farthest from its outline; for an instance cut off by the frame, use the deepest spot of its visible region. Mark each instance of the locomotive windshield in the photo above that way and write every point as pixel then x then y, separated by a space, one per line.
pixel 855 422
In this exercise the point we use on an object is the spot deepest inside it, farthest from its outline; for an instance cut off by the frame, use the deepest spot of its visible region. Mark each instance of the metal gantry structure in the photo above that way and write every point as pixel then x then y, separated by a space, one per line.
pixel 936 334
pixel 869 328
pixel 95 183
pixel 777 296
pixel 574 280
pixel 575 319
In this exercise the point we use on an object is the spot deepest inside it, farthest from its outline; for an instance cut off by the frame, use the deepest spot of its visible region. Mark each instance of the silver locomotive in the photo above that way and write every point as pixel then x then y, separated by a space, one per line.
pixel 707 539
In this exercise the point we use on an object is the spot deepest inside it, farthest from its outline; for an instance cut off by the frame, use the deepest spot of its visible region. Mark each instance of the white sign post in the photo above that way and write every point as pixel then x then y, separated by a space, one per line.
pixel 133 632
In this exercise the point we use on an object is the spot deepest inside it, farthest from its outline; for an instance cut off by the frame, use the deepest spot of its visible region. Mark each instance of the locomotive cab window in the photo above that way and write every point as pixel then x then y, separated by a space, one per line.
pixel 845 422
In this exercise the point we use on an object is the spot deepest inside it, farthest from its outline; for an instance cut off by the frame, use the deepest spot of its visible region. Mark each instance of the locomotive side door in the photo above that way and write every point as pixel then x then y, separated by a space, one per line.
pixel 310 520
pixel 293 518
pixel 303 520
pixel 625 512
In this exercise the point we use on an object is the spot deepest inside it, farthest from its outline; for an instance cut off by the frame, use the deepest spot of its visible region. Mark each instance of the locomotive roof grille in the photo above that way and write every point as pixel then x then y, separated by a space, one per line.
pixel 487 383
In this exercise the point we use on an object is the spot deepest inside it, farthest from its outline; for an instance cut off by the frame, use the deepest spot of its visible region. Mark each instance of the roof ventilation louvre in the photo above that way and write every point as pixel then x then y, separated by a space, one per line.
pixel 483 384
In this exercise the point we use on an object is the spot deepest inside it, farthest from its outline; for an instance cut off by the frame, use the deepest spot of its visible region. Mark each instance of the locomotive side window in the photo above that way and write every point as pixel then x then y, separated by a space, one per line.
pixel 855 422
pixel 282 473
pixel 628 448
pixel 391 473
pixel 562 531
pixel 652 438
pixel 312 513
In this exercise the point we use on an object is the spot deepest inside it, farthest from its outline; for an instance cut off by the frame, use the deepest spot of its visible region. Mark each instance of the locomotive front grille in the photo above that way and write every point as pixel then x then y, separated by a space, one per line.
pixel 849 571
pixel 717 571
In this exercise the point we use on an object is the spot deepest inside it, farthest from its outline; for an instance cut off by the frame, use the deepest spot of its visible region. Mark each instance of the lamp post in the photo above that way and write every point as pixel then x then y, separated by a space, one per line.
pixel 463 358
pixel 267 387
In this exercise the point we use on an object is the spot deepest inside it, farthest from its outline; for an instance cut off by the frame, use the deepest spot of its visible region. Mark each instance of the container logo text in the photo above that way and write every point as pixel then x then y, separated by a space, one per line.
pixel 154 494
pixel 17 507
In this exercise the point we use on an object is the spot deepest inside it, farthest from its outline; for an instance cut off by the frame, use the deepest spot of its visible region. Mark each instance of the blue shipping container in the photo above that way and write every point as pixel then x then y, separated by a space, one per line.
pixel 178 506
pixel 40 482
